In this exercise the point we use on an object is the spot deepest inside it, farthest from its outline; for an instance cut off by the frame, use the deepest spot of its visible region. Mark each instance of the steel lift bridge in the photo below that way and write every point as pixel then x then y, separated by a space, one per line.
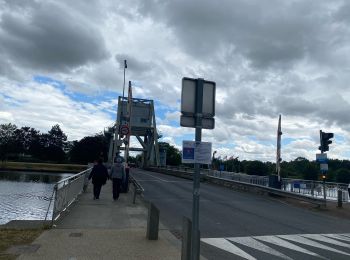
pixel 135 117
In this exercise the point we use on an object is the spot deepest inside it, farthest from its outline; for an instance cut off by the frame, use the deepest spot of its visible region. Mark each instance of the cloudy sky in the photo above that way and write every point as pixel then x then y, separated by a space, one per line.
pixel 62 62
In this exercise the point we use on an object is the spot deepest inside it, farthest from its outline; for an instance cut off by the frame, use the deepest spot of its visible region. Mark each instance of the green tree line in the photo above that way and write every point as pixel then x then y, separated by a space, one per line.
pixel 299 168
pixel 29 144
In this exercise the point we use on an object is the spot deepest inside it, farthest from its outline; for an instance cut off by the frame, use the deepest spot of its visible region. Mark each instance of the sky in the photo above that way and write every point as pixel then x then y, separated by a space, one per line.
pixel 61 62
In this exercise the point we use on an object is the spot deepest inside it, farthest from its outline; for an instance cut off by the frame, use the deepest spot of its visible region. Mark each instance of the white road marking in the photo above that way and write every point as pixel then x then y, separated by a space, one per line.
pixel 251 242
pixel 309 242
pixel 156 181
pixel 160 179
pixel 281 240
pixel 338 236
pixel 282 243
pixel 153 176
pixel 225 245
pixel 326 239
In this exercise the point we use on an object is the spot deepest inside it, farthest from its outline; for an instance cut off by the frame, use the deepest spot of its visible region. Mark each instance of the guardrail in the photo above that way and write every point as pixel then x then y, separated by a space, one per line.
pixel 66 192
pixel 303 192
pixel 315 188
pixel 256 187
pixel 138 189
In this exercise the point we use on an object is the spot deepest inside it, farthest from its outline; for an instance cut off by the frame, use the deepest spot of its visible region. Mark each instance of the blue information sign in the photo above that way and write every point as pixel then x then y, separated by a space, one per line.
pixel 188 153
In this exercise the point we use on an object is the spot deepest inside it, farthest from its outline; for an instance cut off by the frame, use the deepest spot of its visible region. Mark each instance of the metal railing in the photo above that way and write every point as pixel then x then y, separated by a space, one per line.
pixel 138 189
pixel 315 188
pixel 302 187
pixel 67 190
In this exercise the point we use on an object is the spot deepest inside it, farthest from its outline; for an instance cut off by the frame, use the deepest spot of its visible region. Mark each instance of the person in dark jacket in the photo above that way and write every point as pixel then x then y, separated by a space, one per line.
pixel 99 176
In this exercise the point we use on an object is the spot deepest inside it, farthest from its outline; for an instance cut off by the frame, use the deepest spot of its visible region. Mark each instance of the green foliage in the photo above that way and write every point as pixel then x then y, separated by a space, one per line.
pixel 173 155
pixel 255 168
pixel 310 172
pixel 343 175
pixel 7 140
pixel 89 149
pixel 17 142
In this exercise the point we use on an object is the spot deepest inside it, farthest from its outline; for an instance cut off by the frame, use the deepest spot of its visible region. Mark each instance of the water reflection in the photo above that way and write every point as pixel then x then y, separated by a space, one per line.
pixel 33 176
pixel 26 195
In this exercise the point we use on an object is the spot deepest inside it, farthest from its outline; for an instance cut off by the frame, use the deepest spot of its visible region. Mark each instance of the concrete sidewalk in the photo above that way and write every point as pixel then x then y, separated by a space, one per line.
pixel 104 229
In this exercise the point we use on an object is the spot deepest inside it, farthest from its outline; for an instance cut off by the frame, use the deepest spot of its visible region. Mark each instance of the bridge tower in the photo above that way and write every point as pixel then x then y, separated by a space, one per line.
pixel 135 117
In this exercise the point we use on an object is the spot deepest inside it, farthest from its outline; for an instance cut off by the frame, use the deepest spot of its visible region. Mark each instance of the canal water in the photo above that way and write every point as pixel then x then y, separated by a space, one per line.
pixel 26 195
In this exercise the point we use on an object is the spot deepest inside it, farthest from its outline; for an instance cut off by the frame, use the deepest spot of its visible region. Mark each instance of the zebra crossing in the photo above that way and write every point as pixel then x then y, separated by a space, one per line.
pixel 335 244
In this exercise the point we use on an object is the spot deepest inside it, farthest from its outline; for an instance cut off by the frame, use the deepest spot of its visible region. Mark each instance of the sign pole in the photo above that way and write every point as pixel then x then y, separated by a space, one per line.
pixel 196 176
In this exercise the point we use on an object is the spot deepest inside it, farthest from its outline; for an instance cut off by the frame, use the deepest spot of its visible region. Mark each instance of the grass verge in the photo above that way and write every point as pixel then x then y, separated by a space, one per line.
pixel 50 167
pixel 14 237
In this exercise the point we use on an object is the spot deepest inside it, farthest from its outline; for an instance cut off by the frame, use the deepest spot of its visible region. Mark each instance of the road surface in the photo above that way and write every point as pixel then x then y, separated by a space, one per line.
pixel 242 225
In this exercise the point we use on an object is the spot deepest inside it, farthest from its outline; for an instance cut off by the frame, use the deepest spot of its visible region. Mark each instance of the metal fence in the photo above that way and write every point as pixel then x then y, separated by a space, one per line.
pixel 67 190
pixel 315 188
pixel 304 187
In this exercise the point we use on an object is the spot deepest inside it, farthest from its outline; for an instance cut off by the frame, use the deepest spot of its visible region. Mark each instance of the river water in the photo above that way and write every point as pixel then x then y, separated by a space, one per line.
pixel 26 195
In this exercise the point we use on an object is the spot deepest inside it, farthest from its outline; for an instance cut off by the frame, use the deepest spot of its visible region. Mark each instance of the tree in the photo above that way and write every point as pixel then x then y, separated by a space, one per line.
pixel 89 149
pixel 256 168
pixel 7 140
pixel 310 172
pixel 24 138
pixel 343 175
pixel 56 137
pixel 173 155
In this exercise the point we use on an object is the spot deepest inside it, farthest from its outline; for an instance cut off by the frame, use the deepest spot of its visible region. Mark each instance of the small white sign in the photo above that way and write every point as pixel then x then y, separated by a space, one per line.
pixel 321 157
pixel 324 166
pixel 196 152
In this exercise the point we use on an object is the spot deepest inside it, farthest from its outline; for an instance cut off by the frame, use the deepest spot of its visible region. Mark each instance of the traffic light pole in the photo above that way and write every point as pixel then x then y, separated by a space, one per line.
pixel 323 174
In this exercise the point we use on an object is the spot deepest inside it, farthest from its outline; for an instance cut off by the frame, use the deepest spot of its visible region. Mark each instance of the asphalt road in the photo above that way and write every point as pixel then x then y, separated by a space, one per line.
pixel 242 225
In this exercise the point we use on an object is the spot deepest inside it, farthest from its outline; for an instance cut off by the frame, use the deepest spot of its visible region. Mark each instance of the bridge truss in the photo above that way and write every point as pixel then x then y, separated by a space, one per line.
pixel 135 117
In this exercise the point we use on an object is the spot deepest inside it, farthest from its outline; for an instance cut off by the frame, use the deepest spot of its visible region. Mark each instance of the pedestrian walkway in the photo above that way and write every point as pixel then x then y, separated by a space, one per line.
pixel 104 229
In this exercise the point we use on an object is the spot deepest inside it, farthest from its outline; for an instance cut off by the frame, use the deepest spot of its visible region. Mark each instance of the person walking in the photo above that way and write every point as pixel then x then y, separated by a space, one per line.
pixel 99 176
pixel 117 175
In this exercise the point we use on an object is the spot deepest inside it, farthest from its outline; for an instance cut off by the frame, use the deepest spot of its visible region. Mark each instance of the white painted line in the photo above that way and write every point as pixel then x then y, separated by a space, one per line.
pixel 282 243
pixel 308 242
pixel 326 240
pixel 159 179
pixel 251 242
pixel 338 236
pixel 225 245
pixel 152 176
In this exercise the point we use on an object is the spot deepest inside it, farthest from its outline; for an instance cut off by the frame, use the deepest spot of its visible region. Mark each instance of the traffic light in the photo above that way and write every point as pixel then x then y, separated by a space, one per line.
pixel 324 141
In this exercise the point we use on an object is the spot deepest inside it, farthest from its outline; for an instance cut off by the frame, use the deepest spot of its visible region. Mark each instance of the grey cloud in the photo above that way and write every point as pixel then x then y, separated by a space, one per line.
pixel 342 14
pixel 135 65
pixel 50 38
pixel 334 109
pixel 246 101
pixel 297 106
pixel 280 36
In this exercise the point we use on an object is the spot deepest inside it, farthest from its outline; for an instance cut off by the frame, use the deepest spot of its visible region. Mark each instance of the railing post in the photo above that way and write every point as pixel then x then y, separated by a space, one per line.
pixel 340 198
pixel 186 239
pixel 153 222
pixel 54 205
pixel 135 191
